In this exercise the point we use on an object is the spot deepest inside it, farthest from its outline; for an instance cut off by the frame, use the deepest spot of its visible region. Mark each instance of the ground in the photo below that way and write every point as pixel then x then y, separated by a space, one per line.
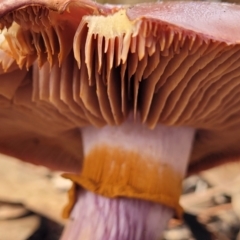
pixel 32 198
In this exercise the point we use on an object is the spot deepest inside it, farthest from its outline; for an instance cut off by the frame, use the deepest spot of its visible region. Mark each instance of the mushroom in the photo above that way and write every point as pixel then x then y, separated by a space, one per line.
pixel 125 99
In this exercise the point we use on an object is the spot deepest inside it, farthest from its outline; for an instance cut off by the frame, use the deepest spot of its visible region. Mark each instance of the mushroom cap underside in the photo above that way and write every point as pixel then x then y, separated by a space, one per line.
pixel 69 64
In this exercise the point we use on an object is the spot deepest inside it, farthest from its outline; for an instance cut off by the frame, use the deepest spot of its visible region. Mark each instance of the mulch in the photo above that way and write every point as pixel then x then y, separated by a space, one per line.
pixel 30 207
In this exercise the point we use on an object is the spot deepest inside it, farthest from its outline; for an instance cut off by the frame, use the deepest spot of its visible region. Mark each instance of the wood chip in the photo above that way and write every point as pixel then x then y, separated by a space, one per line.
pixel 19 229
pixel 27 184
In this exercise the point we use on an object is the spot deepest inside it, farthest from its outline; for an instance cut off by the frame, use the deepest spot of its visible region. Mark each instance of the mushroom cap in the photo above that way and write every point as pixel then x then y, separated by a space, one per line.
pixel 67 64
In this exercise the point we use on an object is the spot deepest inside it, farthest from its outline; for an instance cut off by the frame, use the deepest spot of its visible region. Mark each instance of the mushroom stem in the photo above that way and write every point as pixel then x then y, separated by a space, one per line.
pixel 130 162
pixel 99 218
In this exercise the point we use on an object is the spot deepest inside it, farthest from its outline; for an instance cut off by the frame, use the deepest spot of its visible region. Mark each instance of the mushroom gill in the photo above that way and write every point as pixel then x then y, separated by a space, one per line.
pixel 69 65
